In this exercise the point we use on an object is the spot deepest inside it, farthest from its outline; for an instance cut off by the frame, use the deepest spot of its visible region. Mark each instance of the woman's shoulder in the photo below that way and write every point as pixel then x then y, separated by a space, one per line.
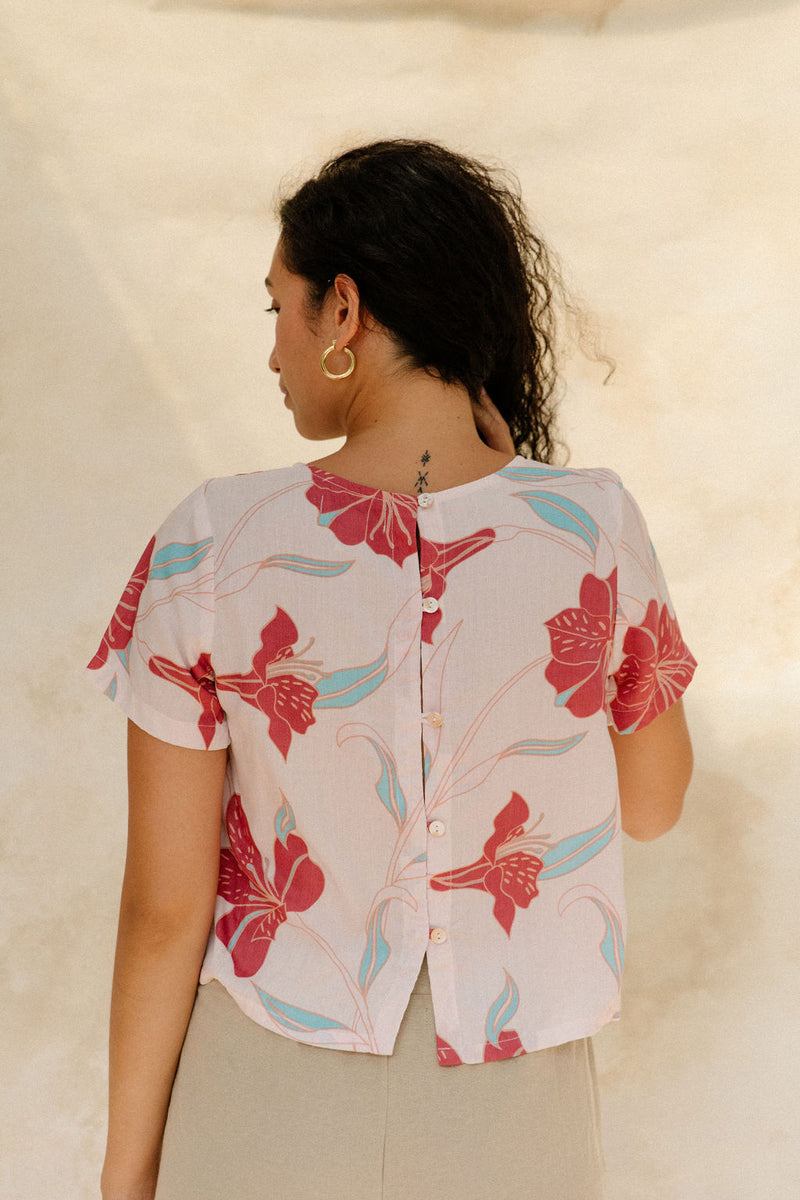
pixel 244 481
pixel 588 498
pixel 225 491
pixel 554 476
pixel 223 499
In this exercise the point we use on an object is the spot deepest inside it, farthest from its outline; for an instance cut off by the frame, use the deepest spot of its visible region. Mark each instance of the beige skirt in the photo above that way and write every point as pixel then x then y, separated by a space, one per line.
pixel 256 1115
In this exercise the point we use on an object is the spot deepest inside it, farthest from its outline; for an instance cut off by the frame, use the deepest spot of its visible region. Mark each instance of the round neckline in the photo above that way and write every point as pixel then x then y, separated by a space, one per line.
pixel 366 490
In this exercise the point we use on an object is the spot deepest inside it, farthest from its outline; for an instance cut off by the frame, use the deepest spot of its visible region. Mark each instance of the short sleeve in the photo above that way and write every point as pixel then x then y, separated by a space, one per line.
pixel 156 657
pixel 651 665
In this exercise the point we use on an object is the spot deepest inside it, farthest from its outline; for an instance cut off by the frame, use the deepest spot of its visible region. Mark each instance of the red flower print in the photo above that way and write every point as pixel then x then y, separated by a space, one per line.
pixel 120 629
pixel 386 521
pixel 436 559
pixel 656 669
pixel 260 906
pixel 273 687
pixel 199 682
pixel 510 1047
pixel 581 641
pixel 507 869
pixel 448 1057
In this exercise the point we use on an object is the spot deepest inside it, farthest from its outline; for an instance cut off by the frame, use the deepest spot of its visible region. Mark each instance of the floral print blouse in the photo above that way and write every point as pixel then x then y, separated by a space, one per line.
pixel 415 693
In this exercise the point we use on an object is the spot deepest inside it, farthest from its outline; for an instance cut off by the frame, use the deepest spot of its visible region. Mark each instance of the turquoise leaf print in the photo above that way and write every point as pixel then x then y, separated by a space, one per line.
pixel 295 1019
pixel 377 950
pixel 480 773
pixel 572 852
pixel 563 514
pixel 329 517
pixel 540 746
pixel 502 1011
pixel 525 474
pixel 310 566
pixel 284 821
pixel 178 558
pixel 341 689
pixel 388 784
pixel 612 945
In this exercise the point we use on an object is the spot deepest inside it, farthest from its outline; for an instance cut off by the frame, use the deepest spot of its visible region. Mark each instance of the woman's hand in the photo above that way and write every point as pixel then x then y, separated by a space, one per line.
pixel 491 426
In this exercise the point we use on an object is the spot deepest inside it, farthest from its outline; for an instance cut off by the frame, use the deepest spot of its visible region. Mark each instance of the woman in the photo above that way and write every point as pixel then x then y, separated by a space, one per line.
pixel 323 908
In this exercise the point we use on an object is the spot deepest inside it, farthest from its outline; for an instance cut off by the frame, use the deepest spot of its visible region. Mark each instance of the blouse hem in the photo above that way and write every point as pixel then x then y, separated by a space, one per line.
pixel 469 1056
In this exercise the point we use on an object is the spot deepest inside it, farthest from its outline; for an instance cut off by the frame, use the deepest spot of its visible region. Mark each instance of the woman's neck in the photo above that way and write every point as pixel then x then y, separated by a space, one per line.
pixel 416 435
pixel 425 468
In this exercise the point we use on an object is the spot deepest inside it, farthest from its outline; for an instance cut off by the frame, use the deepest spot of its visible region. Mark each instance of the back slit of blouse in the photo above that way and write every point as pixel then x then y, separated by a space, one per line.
pixel 421 734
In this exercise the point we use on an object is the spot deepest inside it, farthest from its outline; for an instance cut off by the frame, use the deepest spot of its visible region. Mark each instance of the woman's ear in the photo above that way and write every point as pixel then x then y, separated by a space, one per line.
pixel 347 307
pixel 349 314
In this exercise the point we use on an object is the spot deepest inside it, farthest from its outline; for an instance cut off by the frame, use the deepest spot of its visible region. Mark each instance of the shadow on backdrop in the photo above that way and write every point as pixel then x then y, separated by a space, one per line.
pixel 579 16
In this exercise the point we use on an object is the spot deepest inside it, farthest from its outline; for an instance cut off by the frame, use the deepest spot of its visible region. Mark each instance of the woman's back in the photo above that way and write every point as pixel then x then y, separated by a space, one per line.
pixel 415 690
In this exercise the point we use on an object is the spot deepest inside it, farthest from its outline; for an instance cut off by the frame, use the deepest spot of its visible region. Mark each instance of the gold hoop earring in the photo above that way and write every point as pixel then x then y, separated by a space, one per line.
pixel 344 374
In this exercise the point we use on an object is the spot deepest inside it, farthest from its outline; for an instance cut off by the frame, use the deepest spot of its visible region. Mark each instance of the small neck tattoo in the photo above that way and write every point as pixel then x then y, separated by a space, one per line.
pixel 422 476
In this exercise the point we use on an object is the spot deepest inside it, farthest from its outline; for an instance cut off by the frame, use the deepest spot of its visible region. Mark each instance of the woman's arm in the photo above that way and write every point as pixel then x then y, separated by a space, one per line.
pixel 166 909
pixel 654 766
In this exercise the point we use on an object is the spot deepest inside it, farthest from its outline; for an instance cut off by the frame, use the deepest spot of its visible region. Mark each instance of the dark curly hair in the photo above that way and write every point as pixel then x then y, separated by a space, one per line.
pixel 445 259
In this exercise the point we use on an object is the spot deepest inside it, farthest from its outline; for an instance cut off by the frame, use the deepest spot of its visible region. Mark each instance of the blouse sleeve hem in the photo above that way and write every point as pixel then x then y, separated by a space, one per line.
pixel 677 687
pixel 115 685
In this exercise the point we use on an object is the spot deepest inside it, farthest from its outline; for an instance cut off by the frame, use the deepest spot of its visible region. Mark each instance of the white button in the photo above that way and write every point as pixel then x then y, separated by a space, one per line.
pixel 424 499
pixel 436 828
pixel 433 718
pixel 430 604
pixel 438 935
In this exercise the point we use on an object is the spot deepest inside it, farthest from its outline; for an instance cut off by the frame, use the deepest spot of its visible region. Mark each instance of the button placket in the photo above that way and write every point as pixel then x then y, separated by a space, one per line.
pixel 429 527
pixel 429 603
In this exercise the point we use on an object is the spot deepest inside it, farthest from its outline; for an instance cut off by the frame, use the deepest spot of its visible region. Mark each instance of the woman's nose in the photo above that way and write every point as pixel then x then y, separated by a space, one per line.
pixel 273 362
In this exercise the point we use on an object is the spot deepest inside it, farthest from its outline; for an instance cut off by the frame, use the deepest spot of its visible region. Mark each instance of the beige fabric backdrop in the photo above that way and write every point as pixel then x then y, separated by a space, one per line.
pixel 657 147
